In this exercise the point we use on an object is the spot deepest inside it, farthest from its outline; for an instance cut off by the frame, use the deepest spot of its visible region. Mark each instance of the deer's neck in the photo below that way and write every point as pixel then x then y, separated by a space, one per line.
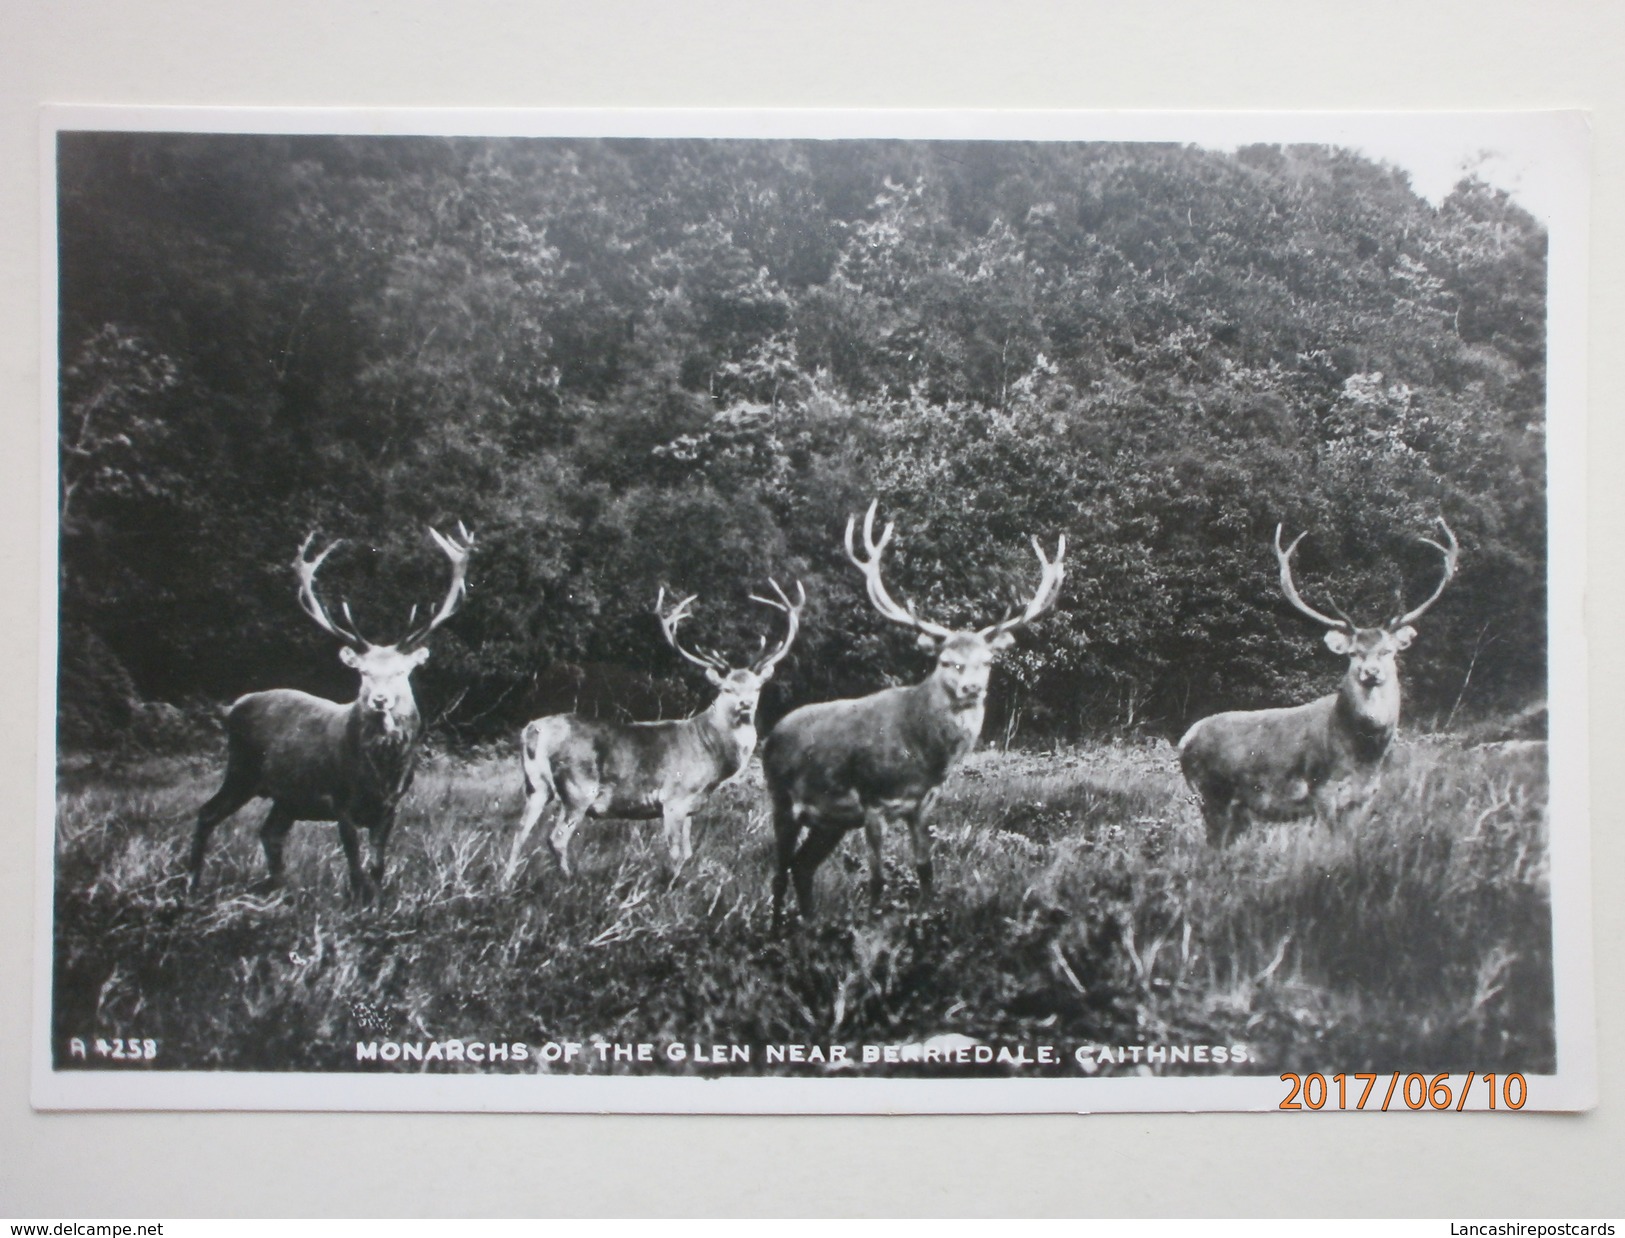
pixel 942 733
pixel 385 750
pixel 1369 715
pixel 730 745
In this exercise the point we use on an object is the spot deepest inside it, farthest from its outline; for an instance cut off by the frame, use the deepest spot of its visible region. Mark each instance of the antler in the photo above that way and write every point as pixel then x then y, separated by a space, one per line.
pixel 1291 591
pixel 1451 553
pixel 770 658
pixel 669 623
pixel 870 568
pixel 1051 572
pixel 457 551
pixel 308 601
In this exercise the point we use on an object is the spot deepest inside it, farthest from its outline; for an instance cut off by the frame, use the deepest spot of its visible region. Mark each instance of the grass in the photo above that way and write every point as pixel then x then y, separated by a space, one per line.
pixel 1078 903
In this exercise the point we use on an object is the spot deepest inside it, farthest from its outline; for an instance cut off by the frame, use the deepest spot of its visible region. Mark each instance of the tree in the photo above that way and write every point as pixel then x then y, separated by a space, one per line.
pixel 633 363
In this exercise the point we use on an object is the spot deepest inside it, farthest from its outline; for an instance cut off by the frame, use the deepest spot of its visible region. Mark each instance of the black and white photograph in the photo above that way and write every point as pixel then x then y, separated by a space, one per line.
pixel 814 613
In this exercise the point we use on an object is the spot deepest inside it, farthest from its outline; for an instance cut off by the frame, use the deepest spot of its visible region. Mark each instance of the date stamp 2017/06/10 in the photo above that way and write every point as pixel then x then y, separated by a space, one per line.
pixel 1415 1090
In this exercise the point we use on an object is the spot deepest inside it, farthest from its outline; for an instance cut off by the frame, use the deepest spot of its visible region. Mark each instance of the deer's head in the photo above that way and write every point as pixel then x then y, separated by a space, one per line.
pixel 386 688
pixel 964 657
pixel 738 687
pixel 385 698
pixel 1372 651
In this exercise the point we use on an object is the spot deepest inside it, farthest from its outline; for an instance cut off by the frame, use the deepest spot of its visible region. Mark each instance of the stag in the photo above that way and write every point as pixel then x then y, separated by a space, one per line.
pixel 838 765
pixel 1322 759
pixel 318 760
pixel 643 770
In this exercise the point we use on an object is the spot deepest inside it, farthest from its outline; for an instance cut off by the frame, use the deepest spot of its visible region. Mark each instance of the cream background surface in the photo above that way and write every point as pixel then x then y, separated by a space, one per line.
pixel 796 53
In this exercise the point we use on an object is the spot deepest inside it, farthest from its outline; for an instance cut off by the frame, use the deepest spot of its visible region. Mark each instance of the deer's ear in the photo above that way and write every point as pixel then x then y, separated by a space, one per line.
pixel 419 656
pixel 928 642
pixel 350 657
pixel 1404 637
pixel 1002 641
pixel 715 680
pixel 1339 641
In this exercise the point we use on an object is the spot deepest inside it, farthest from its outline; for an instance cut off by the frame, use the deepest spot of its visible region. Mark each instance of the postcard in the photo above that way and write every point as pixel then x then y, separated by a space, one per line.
pixel 814 612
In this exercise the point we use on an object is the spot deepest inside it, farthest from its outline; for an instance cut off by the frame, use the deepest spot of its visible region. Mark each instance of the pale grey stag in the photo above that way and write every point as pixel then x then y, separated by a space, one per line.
pixel 1322 759
pixel 318 760
pixel 643 770
pixel 838 765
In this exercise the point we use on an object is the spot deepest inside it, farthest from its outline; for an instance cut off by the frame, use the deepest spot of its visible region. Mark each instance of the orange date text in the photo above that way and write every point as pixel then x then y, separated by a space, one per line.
pixel 1398 1091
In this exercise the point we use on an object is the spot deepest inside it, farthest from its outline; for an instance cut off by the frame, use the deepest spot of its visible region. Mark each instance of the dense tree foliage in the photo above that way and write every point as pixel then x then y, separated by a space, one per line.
pixel 634 363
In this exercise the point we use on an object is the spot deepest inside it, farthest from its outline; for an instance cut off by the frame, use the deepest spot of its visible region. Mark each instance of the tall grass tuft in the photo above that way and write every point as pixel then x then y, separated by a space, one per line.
pixel 1078 903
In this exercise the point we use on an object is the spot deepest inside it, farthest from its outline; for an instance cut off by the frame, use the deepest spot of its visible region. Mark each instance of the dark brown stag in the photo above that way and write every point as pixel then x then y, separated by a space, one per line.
pixel 643 770
pixel 1322 759
pixel 839 765
pixel 318 760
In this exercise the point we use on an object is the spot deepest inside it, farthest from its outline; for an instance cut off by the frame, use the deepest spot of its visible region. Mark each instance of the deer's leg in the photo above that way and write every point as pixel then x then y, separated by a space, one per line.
pixel 234 792
pixel 688 831
pixel 564 829
pixel 874 833
pixel 786 830
pixel 674 827
pixel 820 841
pixel 537 798
pixel 1359 811
pixel 1221 814
pixel 919 836
pixel 273 834
pixel 352 858
pixel 380 844
pixel 1324 807
pixel 1345 804
pixel 1217 819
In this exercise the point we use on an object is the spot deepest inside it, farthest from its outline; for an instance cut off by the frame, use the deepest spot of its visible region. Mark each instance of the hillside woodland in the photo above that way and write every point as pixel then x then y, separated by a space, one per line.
pixel 627 364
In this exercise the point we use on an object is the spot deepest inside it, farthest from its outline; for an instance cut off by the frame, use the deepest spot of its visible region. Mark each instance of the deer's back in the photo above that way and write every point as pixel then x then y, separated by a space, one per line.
pixel 1260 748
pixel 879 746
pixel 630 767
pixel 292 746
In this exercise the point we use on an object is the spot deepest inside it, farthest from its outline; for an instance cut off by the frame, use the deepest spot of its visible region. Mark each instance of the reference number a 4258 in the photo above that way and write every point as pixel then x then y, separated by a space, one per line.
pixel 1414 1091
pixel 116 1048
